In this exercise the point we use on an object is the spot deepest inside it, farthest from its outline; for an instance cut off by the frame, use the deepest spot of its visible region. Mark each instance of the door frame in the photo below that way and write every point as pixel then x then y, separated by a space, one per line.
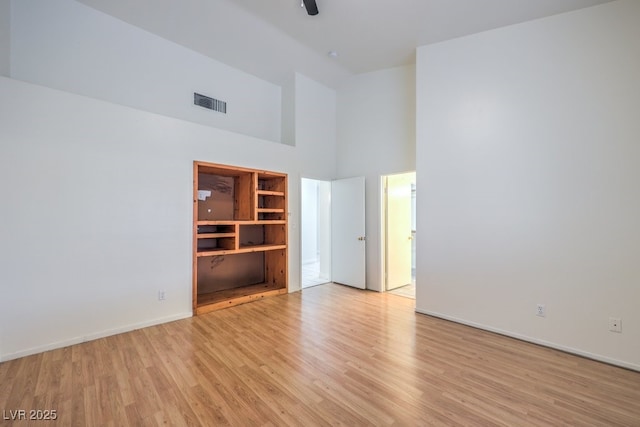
pixel 301 229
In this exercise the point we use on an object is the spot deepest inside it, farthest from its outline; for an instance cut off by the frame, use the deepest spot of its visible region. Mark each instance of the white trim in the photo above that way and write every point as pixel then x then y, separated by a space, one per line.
pixel 382 229
pixel 586 354
pixel 93 336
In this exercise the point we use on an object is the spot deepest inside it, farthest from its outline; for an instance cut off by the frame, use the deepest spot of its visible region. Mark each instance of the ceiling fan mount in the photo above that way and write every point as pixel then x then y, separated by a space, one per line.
pixel 311 6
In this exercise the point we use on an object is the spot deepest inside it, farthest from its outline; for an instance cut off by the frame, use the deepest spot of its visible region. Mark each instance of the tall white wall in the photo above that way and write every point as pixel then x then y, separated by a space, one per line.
pixel 315 127
pixel 97 175
pixel 313 114
pixel 5 37
pixel 376 136
pixel 528 166
pixel 288 111
pixel 97 213
pixel 69 46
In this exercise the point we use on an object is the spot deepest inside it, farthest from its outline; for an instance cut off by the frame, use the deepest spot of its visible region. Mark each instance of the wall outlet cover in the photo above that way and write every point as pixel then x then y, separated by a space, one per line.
pixel 615 324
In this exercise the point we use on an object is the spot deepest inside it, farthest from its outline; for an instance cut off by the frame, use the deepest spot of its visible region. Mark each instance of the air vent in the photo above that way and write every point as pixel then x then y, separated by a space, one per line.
pixel 210 103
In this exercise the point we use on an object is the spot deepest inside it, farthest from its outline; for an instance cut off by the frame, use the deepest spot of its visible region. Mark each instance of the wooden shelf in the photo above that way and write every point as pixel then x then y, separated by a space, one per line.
pixel 243 222
pixel 230 297
pixel 215 235
pixel 242 250
pixel 240 235
pixel 265 222
pixel 260 248
pixel 270 193
pixel 215 252
pixel 216 222
pixel 270 210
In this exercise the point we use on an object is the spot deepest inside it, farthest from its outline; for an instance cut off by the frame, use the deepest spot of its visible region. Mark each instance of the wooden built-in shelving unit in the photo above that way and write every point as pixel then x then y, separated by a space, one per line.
pixel 239 235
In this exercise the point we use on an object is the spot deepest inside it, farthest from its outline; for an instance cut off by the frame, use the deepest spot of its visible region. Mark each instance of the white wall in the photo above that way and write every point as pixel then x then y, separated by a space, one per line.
pixel 69 46
pixel 97 213
pixel 315 127
pixel 288 111
pixel 376 136
pixel 5 37
pixel 528 166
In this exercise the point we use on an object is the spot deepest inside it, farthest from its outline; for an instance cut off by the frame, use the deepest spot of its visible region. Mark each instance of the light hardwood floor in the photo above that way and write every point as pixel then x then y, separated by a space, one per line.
pixel 329 355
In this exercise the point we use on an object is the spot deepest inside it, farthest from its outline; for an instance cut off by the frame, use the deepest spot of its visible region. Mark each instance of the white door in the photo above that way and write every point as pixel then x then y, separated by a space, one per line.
pixel 398 230
pixel 347 232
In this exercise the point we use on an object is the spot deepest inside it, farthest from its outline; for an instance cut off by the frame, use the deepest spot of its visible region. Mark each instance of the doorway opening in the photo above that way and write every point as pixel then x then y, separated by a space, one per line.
pixel 399 233
pixel 315 232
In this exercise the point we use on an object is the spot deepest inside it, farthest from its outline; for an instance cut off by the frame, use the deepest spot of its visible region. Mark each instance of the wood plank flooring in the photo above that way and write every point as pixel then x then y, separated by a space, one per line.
pixel 329 355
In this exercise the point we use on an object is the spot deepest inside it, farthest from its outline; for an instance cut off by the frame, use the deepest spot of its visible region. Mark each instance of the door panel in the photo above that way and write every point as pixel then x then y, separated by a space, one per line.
pixel 398 230
pixel 348 232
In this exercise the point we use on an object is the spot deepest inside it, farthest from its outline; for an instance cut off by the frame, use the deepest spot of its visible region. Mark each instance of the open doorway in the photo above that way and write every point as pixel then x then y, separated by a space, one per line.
pixel 399 232
pixel 315 232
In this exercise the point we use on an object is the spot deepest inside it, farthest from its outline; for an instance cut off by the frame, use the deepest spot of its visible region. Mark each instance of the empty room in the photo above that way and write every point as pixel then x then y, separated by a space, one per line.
pixel 174 172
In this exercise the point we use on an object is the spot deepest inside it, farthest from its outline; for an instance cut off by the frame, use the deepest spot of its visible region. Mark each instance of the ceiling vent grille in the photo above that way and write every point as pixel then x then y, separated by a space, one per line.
pixel 210 103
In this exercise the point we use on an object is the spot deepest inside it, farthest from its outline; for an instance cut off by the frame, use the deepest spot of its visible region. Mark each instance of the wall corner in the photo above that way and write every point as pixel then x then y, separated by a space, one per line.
pixel 5 38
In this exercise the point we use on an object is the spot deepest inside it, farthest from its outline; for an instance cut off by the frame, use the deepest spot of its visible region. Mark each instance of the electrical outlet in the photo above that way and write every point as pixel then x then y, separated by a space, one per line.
pixel 615 324
pixel 541 310
pixel 161 296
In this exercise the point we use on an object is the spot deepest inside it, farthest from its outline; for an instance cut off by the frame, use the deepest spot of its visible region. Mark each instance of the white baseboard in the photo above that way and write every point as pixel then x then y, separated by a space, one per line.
pixel 586 354
pixel 93 336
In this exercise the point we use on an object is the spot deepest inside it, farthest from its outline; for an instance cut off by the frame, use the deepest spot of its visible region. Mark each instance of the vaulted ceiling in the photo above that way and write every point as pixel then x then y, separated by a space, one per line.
pixel 273 38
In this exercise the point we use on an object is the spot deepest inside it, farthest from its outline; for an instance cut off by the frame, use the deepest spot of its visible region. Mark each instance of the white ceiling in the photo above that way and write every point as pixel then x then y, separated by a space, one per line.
pixel 273 38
